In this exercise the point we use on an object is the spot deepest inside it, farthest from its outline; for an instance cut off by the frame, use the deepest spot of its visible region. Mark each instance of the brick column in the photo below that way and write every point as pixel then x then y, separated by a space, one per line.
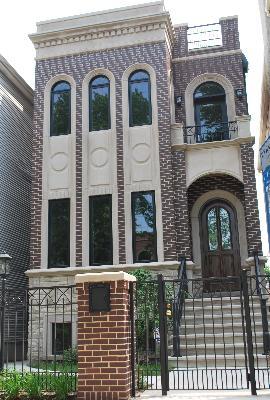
pixel 104 340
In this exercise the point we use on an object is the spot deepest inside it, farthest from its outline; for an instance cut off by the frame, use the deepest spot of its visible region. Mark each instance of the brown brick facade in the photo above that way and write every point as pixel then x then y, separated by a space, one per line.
pixel 251 201
pixel 104 339
pixel 176 202
pixel 77 66
pixel 181 205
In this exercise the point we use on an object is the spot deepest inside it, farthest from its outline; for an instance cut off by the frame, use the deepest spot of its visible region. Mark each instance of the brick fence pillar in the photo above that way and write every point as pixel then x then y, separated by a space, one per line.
pixel 104 340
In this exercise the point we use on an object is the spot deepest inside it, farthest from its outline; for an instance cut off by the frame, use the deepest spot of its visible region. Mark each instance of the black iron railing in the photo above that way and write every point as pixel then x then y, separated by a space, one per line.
pixel 179 304
pixel 211 132
pixel 203 36
pixel 263 304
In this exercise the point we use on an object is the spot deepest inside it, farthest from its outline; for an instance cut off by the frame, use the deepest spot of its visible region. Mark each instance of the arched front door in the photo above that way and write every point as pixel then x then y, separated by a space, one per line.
pixel 219 240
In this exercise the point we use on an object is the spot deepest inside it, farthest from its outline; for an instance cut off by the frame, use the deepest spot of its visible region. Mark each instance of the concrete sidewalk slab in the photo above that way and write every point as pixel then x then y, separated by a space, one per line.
pixel 205 395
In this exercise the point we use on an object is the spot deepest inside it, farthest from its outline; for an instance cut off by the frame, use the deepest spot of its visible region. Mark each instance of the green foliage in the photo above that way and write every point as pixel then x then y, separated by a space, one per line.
pixel 146 309
pixel 12 383
pixel 62 385
pixel 70 356
pixel 32 386
pixel 267 271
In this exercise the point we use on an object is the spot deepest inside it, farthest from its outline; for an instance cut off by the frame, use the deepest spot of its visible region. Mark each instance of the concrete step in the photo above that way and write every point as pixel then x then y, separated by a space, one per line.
pixel 218 338
pixel 213 361
pixel 213 327
pixel 212 348
pixel 213 308
pixel 188 319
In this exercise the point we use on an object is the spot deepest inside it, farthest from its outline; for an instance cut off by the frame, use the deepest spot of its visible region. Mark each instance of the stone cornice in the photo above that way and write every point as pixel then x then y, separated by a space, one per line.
pixel 7 70
pixel 72 271
pixel 209 145
pixel 65 32
pixel 207 55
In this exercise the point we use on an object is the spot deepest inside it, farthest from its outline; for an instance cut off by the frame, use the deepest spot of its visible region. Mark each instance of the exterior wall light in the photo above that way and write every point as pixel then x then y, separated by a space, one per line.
pixel 178 100
pixel 239 93
pixel 4 264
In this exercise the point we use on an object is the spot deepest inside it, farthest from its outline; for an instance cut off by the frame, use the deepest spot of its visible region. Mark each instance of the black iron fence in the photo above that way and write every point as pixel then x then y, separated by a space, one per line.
pixel 211 132
pixel 38 339
pixel 203 333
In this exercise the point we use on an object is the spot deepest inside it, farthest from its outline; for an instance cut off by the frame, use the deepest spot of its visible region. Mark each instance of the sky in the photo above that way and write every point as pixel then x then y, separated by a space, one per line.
pixel 18 19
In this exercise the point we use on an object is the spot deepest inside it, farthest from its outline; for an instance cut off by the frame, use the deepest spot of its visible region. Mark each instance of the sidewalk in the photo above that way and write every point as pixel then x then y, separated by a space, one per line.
pixel 205 395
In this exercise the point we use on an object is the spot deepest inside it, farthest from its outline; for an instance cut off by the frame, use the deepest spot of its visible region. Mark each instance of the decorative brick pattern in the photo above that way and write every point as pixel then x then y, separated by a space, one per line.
pixel 104 365
pixel 213 182
pixel 77 66
pixel 251 201
pixel 181 205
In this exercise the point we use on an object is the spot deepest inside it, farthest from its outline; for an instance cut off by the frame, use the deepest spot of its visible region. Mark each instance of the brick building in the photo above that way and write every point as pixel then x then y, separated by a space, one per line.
pixel 142 147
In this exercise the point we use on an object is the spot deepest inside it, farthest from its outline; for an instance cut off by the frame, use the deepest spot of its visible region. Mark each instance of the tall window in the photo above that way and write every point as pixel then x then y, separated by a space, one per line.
pixel 144 227
pixel 101 230
pixel 210 112
pixel 140 109
pixel 61 337
pixel 59 233
pixel 60 109
pixel 99 103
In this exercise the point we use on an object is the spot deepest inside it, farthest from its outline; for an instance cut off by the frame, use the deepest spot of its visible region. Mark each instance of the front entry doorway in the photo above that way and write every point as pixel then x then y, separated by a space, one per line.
pixel 219 241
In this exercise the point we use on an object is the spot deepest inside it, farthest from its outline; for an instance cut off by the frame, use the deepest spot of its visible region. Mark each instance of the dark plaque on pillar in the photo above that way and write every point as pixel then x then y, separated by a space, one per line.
pixel 99 297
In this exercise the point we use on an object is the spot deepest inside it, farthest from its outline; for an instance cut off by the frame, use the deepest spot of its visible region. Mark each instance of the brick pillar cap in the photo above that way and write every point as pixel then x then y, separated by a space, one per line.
pixel 104 277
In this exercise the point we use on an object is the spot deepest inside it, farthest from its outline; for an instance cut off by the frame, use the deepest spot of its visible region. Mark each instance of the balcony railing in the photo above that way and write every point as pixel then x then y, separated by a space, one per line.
pixel 210 133
pixel 204 36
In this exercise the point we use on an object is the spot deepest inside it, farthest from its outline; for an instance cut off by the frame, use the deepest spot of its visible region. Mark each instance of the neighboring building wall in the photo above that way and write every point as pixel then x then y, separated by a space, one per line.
pixel 16 112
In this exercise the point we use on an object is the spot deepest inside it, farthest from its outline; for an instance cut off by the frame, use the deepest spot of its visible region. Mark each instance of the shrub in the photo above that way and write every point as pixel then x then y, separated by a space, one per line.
pixel 12 384
pixel 32 386
pixel 70 356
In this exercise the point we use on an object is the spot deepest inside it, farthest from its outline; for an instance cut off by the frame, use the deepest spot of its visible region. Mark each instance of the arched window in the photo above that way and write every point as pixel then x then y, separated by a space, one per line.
pixel 60 109
pixel 210 112
pixel 99 103
pixel 140 109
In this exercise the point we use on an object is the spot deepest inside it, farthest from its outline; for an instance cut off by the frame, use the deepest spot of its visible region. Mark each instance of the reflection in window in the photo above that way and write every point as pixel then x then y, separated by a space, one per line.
pixel 144 227
pixel 59 233
pixel 212 230
pixel 140 112
pixel 101 230
pixel 210 112
pixel 225 228
pixel 99 103
pixel 61 337
pixel 60 109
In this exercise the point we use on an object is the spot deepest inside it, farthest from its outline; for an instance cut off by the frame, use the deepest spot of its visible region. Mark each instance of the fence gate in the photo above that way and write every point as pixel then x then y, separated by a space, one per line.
pixel 200 334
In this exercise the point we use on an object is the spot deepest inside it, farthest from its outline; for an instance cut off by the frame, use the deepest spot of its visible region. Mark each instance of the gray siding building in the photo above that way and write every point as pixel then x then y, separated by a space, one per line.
pixel 16 113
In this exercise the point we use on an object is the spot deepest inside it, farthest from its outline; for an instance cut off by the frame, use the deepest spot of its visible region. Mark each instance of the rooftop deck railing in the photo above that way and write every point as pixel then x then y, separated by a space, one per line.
pixel 203 36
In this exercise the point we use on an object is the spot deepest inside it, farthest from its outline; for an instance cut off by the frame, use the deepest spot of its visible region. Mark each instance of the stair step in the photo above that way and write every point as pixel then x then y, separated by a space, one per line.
pixel 212 361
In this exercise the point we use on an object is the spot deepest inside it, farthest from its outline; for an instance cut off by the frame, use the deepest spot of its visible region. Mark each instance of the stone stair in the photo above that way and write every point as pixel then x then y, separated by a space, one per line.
pixel 211 334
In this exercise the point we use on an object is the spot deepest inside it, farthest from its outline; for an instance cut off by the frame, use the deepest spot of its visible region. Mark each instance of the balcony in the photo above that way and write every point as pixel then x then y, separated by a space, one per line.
pixel 210 133
pixel 189 135
pixel 203 36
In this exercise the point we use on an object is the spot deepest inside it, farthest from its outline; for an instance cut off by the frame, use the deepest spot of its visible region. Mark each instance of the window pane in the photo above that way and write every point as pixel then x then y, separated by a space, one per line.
pixel 210 121
pixel 140 102
pixel 212 230
pixel 144 227
pixel 60 109
pixel 225 229
pixel 61 338
pixel 99 104
pixel 209 89
pixel 59 236
pixel 101 230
